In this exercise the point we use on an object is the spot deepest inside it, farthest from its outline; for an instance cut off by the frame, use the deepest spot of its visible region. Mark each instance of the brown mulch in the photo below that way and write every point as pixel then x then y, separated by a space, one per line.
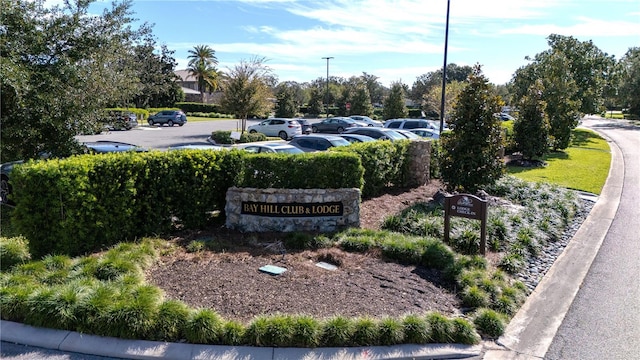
pixel 230 281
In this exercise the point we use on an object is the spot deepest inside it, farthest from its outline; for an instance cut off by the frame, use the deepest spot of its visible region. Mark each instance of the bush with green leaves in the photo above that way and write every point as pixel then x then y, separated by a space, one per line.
pixel 13 251
pixel 472 150
pixel 531 129
pixel 224 137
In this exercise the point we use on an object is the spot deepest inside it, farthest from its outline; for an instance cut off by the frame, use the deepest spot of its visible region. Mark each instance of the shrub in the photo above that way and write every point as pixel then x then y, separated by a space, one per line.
pixel 416 329
pixel 337 331
pixel 464 332
pixel 171 322
pixel 489 323
pixel 472 151
pixel 442 328
pixel 13 251
pixel 365 332
pixel 204 326
pixel 475 297
pixel 233 333
pixel 391 331
pixel 305 332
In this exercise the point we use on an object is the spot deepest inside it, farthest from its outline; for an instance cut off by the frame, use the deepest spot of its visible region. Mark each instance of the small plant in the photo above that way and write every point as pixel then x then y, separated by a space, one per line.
pixel 204 327
pixel 416 329
pixel 391 331
pixel 475 297
pixel 464 332
pixel 511 263
pixel 365 332
pixel 233 333
pixel 171 321
pixel 442 329
pixel 489 323
pixel 337 331
pixel 196 246
pixel 13 251
pixel 305 332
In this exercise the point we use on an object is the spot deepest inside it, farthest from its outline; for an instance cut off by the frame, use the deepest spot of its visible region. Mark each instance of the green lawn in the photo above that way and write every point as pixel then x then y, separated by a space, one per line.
pixel 583 166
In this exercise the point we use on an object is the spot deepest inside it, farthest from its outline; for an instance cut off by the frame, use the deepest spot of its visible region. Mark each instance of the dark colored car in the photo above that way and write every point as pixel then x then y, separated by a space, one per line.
pixel 334 125
pixel 317 142
pixel 306 126
pixel 169 117
pixel 377 133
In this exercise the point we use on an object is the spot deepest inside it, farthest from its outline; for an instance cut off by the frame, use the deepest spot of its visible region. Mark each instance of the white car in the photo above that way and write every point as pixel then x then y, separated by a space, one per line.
pixel 271 147
pixel 280 127
pixel 426 133
pixel 367 120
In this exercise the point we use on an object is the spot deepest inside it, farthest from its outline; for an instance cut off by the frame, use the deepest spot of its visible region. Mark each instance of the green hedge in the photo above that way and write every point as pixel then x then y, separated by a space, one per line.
pixel 385 164
pixel 330 171
pixel 199 107
pixel 84 203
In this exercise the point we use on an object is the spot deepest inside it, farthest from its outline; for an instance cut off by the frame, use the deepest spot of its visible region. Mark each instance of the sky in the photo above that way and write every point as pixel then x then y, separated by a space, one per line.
pixel 394 40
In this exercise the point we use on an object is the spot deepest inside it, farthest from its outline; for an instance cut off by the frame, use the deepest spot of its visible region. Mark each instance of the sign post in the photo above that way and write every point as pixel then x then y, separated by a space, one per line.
pixel 470 207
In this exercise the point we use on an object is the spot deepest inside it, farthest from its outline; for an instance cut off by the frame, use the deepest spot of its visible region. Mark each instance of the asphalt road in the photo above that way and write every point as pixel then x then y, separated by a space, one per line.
pixel 163 137
pixel 603 321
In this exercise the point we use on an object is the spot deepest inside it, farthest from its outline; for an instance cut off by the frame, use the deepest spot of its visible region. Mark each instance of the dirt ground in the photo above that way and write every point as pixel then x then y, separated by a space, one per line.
pixel 231 282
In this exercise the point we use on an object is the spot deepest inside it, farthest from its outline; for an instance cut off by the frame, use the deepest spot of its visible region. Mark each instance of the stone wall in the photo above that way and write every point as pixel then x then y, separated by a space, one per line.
pixel 420 158
pixel 287 210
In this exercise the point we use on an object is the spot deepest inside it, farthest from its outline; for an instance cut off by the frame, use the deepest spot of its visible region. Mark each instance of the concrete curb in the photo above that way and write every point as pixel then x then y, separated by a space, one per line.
pixel 148 350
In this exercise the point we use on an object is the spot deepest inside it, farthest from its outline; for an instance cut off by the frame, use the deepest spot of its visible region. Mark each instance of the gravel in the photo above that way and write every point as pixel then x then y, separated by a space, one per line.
pixel 538 266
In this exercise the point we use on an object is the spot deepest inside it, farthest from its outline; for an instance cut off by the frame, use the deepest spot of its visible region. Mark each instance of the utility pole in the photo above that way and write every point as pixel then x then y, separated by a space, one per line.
pixel 326 95
pixel 444 69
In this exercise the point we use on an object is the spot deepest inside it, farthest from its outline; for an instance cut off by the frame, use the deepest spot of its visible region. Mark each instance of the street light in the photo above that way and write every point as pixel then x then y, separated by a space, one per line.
pixel 444 69
pixel 326 95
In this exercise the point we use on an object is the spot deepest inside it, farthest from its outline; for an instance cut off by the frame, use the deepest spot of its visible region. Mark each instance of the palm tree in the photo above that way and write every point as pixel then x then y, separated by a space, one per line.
pixel 202 66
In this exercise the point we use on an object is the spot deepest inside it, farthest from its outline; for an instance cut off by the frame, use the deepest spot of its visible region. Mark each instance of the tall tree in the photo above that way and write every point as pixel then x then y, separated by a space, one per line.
pixel 60 67
pixel 288 100
pixel 202 66
pixel 158 82
pixel 629 90
pixel 394 105
pixel 361 101
pixel 432 101
pixel 426 82
pixel 374 88
pixel 246 90
pixel 531 128
pixel 472 150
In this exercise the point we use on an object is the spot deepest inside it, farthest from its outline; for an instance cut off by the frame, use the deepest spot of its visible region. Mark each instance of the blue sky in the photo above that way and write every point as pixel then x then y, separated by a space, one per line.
pixel 395 40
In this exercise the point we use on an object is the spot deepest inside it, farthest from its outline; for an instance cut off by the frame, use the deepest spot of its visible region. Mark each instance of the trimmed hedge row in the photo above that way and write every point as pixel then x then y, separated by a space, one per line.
pixel 385 164
pixel 82 204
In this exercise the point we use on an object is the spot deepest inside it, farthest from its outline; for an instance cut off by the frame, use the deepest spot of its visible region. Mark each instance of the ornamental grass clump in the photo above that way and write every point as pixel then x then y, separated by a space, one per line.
pixel 337 331
pixel 13 251
pixel 171 321
pixel 204 326
pixel 490 323
pixel 391 331
pixel 365 332
pixel 416 329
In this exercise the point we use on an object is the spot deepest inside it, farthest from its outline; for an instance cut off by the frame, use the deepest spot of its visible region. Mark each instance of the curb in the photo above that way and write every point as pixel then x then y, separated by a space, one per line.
pixel 148 350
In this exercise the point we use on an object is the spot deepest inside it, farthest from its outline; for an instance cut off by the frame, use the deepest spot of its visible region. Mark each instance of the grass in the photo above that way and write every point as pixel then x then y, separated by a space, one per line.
pixel 583 166
pixel 198 119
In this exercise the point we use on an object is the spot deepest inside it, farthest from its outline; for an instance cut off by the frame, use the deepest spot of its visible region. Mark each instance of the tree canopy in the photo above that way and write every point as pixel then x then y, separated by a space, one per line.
pixel 60 66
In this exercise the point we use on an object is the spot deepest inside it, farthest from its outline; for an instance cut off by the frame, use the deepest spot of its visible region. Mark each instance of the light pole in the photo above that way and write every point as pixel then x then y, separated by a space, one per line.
pixel 326 95
pixel 444 68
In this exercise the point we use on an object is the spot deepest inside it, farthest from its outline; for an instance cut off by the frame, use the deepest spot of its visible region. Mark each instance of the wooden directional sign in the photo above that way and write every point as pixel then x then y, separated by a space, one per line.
pixel 470 207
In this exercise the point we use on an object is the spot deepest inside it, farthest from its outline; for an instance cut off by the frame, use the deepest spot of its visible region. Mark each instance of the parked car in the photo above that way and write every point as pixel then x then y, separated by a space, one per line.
pixel 198 147
pixel 93 147
pixel 306 126
pixel 105 146
pixel 505 117
pixel 334 125
pixel 120 121
pixel 408 134
pixel 426 133
pixel 409 124
pixel 377 133
pixel 169 117
pixel 354 138
pixel 367 120
pixel 317 142
pixel 282 127
pixel 271 147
